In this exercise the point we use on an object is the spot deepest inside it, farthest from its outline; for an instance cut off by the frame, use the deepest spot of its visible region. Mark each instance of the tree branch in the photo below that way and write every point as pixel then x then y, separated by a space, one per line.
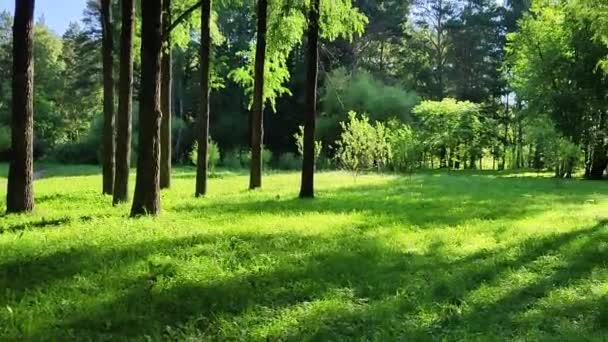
pixel 182 17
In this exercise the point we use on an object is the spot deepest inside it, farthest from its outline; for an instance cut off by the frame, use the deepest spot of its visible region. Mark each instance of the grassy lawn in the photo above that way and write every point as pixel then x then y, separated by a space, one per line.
pixel 436 256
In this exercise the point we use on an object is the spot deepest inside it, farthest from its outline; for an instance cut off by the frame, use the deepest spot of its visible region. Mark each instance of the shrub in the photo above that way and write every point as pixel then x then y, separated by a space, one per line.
pixel 83 152
pixel 405 152
pixel 289 161
pixel 361 92
pixel 362 145
pixel 266 158
pixel 5 138
pixel 213 155
pixel 232 159
pixel 300 143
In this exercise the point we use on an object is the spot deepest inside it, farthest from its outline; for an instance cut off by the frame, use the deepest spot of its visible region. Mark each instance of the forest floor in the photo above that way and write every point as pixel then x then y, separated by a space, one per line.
pixel 437 256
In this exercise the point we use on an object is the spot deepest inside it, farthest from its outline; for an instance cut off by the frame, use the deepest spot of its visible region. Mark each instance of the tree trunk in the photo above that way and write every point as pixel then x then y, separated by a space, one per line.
pixel 257 124
pixel 125 105
pixel 107 47
pixel 147 187
pixel 167 77
pixel 520 144
pixel 308 161
pixel 203 117
pixel 20 193
pixel 599 160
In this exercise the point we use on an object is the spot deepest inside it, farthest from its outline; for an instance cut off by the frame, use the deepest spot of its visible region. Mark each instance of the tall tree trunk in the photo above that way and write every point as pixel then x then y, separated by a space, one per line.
pixel 308 161
pixel 599 159
pixel 520 144
pixel 147 187
pixel 20 193
pixel 167 78
pixel 125 105
pixel 107 47
pixel 203 117
pixel 257 123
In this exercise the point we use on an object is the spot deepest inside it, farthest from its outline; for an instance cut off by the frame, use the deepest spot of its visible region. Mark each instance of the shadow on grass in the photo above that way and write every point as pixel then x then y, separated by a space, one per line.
pixel 380 292
pixel 40 224
pixel 424 201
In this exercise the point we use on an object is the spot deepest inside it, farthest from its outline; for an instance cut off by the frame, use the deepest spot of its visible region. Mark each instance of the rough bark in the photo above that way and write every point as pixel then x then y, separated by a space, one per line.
pixel 146 200
pixel 167 79
pixel 203 117
pixel 599 160
pixel 257 119
pixel 20 194
pixel 125 105
pixel 107 47
pixel 308 161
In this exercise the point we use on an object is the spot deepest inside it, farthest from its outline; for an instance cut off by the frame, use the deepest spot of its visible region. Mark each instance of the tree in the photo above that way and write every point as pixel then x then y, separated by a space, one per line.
pixel 125 104
pixel 433 17
pixel 257 111
pixel 108 96
pixel 553 59
pixel 203 117
pixel 308 155
pixel 146 200
pixel 166 82
pixel 20 196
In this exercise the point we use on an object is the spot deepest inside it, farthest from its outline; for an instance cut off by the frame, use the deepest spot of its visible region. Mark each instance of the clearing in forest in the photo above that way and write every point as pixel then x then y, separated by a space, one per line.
pixel 460 256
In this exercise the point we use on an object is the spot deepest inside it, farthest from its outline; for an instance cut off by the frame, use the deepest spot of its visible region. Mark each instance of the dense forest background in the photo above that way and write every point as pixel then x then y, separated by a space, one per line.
pixel 477 84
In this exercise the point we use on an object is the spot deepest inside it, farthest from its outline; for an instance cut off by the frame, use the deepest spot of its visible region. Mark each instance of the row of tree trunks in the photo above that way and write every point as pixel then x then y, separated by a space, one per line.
pixel 107 48
pixel 146 200
pixel 308 161
pixel 257 113
pixel 154 157
pixel 20 197
pixel 125 104
pixel 203 117
pixel 167 76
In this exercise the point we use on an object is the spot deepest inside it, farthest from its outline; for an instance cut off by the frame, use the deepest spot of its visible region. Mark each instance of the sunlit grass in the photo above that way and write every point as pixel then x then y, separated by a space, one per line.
pixel 457 256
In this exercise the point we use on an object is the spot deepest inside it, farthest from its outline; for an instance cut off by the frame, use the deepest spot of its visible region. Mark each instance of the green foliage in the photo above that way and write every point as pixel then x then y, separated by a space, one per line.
pixel 299 137
pixel 232 159
pixel 360 92
pixel 450 126
pixel 239 158
pixel 404 147
pixel 266 157
pixel 289 161
pixel 363 93
pixel 362 145
pixel 286 26
pixel 5 138
pixel 553 150
pixel 213 155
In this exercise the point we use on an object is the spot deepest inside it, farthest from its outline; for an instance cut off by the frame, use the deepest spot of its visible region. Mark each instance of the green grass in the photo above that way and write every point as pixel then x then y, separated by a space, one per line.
pixel 437 256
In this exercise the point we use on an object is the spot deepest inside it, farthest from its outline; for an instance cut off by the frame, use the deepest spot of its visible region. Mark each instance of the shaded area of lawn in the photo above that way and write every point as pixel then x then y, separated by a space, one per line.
pixel 375 290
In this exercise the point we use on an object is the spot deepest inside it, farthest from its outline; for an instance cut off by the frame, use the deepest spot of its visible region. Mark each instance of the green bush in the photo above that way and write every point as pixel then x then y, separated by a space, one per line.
pixel 83 152
pixel 362 145
pixel 299 137
pixel 344 91
pixel 289 161
pixel 404 150
pixel 266 158
pixel 232 159
pixel 213 155
pixel 5 138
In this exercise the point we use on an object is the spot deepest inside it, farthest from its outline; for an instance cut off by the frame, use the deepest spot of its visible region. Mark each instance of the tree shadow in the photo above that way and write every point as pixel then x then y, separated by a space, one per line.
pixel 39 224
pixel 381 291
